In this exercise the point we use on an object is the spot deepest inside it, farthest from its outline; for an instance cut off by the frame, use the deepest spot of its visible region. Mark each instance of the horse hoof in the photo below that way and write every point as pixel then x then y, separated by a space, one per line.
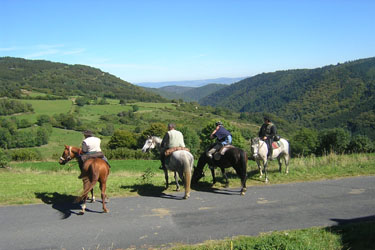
pixel 81 213
pixel 106 211
pixel 242 193
pixel 186 196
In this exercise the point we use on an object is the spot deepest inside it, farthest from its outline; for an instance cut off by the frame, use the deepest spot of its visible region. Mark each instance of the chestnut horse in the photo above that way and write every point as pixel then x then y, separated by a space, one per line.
pixel 92 171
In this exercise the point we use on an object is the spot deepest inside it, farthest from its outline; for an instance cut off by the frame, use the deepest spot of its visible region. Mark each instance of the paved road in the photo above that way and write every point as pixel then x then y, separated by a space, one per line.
pixel 156 221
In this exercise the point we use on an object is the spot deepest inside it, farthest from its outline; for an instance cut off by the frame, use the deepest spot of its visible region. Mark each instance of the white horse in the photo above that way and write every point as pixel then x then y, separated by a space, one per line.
pixel 180 162
pixel 259 150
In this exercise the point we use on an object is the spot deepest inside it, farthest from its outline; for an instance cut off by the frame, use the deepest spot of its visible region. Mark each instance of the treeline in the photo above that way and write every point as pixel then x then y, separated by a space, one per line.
pixel 9 107
pixel 65 80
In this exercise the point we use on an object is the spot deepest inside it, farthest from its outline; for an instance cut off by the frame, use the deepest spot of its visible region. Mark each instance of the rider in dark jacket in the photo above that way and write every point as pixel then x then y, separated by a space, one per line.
pixel 267 132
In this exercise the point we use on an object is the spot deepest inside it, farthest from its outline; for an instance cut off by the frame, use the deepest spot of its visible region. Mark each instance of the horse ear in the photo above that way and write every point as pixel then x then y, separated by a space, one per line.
pixel 66 146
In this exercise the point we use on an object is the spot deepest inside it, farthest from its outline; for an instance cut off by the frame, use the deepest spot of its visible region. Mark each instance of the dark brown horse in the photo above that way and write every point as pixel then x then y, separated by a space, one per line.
pixel 92 171
pixel 233 157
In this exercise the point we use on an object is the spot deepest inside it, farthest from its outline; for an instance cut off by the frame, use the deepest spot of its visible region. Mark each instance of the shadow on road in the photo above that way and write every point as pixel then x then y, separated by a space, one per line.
pixel 63 203
pixel 357 233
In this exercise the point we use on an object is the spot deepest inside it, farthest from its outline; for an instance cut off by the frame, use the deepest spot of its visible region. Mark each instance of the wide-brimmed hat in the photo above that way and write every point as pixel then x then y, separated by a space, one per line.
pixel 88 133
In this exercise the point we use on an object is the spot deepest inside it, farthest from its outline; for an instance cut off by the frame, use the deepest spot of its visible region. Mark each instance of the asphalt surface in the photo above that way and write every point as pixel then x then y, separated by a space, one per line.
pixel 140 222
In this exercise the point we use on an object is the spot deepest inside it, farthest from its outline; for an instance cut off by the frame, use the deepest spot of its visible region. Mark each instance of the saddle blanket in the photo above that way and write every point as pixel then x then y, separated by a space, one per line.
pixel 169 151
pixel 276 144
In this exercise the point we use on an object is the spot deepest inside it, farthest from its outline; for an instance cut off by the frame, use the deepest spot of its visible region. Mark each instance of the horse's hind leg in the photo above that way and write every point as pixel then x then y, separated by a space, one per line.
pixel 176 180
pixel 213 175
pixel 260 168
pixel 92 195
pixel 103 187
pixel 265 171
pixel 286 158
pixel 279 160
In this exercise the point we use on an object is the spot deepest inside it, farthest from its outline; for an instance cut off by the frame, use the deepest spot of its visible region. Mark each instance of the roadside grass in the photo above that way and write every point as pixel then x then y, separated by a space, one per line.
pixel 23 181
pixel 357 236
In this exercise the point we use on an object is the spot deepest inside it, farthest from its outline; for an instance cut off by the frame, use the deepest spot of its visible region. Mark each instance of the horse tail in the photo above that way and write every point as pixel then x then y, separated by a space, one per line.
pixel 92 179
pixel 188 166
pixel 243 160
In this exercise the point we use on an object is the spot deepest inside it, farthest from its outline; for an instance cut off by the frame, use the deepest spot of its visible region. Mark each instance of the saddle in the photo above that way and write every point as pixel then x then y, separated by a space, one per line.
pixel 169 151
pixel 222 151
pixel 85 157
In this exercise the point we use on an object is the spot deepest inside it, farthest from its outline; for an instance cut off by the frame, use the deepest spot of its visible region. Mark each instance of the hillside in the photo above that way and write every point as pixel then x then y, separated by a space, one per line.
pixel 65 80
pixel 339 95
pixel 187 93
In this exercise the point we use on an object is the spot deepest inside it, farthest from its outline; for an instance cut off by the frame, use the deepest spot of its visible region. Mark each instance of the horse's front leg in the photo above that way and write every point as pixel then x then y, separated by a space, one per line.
pixel 279 160
pixel 176 180
pixel 260 168
pixel 225 177
pixel 213 175
pixel 265 170
pixel 166 178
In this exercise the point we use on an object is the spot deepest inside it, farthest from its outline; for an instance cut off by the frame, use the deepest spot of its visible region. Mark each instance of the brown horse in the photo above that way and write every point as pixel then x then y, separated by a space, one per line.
pixel 92 171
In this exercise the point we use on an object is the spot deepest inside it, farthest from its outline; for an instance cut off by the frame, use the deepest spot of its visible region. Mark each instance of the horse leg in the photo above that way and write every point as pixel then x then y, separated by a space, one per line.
pixel 92 196
pixel 166 178
pixel 103 186
pixel 265 170
pixel 279 160
pixel 176 180
pixel 225 176
pixel 260 168
pixel 86 184
pixel 213 175
pixel 286 159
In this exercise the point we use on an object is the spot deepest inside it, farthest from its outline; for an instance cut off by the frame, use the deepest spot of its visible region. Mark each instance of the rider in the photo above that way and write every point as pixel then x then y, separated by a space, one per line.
pixel 173 138
pixel 267 132
pixel 223 137
pixel 91 148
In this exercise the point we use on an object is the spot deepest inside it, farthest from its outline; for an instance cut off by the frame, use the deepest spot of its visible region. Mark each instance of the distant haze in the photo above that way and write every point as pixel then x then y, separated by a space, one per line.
pixel 191 83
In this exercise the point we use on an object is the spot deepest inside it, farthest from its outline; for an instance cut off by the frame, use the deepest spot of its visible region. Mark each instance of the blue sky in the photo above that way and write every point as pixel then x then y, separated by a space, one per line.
pixel 150 41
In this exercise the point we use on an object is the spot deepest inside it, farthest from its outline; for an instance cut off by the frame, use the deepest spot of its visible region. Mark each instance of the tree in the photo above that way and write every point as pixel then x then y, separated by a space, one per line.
pixel 122 139
pixel 333 140
pixel 305 142
pixel 360 144
pixel 4 158
pixel 191 139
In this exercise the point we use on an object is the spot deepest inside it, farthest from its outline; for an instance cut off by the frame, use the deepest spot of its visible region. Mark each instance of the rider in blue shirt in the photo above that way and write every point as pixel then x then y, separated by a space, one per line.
pixel 223 137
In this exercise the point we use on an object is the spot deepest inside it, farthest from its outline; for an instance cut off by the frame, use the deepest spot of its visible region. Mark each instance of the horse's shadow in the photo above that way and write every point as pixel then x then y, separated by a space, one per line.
pixel 63 203
pixel 151 190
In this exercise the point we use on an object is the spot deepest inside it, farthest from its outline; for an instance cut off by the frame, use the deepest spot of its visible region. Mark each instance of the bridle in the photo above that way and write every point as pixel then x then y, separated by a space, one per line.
pixel 69 157
pixel 259 145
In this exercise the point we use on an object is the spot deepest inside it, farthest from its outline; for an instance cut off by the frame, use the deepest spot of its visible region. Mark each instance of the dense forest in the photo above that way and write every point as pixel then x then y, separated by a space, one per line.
pixel 339 95
pixel 58 79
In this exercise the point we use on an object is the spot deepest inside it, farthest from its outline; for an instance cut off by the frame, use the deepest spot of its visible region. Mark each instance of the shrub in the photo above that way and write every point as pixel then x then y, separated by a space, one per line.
pixel 25 155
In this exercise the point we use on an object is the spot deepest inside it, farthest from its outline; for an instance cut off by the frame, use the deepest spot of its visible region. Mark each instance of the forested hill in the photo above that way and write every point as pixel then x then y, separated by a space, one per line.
pixel 341 95
pixel 188 94
pixel 65 80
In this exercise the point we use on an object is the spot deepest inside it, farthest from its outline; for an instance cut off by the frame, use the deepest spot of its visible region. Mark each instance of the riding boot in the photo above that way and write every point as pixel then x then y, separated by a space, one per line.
pixel 270 152
pixel 162 159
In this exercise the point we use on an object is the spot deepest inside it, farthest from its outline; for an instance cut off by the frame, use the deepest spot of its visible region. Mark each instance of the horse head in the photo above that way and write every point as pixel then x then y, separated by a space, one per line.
pixel 67 155
pixel 149 144
pixel 255 146
pixel 198 170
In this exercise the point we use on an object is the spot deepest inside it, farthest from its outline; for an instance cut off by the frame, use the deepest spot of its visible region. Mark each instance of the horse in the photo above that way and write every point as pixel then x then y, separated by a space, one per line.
pixel 233 157
pixel 93 170
pixel 180 161
pixel 259 150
